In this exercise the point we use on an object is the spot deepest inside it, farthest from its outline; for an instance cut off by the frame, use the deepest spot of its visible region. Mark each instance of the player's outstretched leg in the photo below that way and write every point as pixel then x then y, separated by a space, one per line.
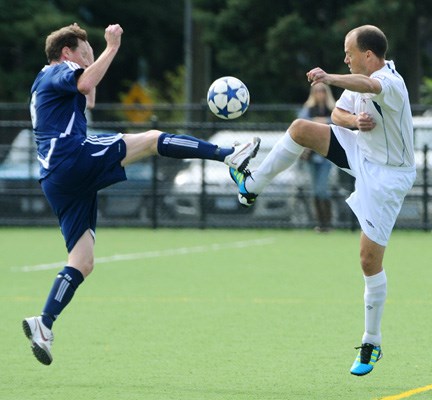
pixel 366 359
pixel 185 146
pixel 41 339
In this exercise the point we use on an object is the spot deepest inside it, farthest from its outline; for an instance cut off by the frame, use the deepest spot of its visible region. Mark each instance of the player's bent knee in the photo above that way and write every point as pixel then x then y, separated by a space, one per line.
pixel 86 267
pixel 152 135
pixel 369 265
pixel 84 264
pixel 140 145
pixel 298 131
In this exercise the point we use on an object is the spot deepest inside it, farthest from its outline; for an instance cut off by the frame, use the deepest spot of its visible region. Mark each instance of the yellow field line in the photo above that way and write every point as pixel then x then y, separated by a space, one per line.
pixel 410 393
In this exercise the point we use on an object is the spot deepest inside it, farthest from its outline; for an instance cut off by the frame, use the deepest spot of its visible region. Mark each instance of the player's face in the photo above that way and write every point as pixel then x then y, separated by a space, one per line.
pixel 354 58
pixel 82 55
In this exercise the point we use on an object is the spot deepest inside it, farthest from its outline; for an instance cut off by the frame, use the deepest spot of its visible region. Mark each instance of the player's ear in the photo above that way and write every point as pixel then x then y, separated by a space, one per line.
pixel 369 53
pixel 66 52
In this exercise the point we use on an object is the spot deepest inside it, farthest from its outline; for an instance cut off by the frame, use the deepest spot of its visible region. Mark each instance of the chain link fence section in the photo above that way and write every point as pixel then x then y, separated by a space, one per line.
pixel 164 192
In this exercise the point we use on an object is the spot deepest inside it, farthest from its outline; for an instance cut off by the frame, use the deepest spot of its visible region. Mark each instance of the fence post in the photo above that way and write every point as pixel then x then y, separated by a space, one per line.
pixel 203 196
pixel 425 195
pixel 154 196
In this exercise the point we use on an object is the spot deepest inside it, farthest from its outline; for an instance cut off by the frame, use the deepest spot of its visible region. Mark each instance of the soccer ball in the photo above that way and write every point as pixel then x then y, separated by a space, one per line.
pixel 228 97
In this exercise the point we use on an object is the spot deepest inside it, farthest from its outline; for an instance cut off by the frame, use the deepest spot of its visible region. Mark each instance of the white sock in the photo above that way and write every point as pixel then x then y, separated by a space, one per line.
pixel 283 154
pixel 374 298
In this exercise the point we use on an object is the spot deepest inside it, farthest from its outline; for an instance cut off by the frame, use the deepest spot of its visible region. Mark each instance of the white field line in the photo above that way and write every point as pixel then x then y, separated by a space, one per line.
pixel 181 251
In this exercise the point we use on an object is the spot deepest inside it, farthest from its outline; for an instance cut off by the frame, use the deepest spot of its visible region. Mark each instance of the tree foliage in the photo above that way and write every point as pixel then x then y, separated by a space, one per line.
pixel 269 45
pixel 272 45
pixel 153 31
pixel 152 42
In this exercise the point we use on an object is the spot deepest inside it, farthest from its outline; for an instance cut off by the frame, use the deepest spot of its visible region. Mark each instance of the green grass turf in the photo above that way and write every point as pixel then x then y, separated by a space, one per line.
pixel 215 314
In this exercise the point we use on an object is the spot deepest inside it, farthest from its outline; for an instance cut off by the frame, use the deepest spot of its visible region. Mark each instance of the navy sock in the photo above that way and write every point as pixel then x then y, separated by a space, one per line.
pixel 184 146
pixel 62 291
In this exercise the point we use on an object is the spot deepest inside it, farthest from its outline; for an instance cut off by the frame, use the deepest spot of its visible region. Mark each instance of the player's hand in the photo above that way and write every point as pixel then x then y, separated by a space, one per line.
pixel 365 122
pixel 113 35
pixel 317 75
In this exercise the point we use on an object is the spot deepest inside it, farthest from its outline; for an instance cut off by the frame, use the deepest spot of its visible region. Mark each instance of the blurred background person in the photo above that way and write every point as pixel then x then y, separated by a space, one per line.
pixel 318 108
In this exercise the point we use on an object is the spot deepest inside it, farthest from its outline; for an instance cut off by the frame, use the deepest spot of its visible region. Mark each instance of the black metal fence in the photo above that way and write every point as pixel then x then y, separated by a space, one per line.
pixel 163 192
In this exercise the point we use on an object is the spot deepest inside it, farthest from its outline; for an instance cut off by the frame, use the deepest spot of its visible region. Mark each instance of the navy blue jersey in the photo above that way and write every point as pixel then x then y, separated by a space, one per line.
pixel 58 114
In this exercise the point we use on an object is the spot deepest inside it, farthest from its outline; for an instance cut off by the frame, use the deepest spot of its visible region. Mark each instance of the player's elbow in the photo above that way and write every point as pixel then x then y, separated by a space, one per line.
pixel 85 85
pixel 373 86
pixel 335 117
pixel 84 88
pixel 343 118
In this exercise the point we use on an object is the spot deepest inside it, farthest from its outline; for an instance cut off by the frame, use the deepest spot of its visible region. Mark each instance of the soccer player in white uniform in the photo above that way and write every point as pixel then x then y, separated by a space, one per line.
pixel 379 153
pixel 74 166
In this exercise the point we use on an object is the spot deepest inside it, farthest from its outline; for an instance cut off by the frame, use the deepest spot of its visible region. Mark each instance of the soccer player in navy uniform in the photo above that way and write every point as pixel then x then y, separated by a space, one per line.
pixel 74 166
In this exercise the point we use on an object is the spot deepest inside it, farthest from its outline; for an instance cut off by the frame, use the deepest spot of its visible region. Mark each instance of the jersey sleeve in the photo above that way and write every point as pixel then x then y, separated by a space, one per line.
pixel 66 78
pixel 391 92
pixel 347 101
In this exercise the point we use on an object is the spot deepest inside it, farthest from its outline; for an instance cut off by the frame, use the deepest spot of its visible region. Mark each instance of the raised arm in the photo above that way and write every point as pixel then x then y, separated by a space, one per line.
pixel 92 75
pixel 91 96
pixel 354 82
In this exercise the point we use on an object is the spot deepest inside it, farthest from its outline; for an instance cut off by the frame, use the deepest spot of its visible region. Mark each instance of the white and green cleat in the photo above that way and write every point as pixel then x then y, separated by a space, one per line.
pixel 240 157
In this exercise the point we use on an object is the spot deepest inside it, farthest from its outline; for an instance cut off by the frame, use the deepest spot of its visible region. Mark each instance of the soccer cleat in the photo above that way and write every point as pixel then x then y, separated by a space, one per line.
pixel 366 358
pixel 41 339
pixel 242 154
pixel 245 198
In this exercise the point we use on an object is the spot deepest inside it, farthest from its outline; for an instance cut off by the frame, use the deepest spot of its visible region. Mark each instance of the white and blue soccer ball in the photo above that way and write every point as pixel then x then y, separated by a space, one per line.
pixel 228 97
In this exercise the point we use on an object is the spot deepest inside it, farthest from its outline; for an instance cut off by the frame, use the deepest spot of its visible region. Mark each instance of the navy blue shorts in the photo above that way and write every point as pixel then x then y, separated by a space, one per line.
pixel 71 189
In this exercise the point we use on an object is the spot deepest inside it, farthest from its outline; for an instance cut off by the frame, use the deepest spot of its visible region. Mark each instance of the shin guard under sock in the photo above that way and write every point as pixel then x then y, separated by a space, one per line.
pixel 62 291
pixel 184 146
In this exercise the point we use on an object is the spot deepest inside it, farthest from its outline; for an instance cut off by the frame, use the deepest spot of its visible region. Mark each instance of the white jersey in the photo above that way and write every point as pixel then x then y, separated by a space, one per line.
pixel 391 142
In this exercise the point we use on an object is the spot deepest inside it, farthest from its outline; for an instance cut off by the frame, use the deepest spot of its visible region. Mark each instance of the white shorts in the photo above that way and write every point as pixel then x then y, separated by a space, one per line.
pixel 379 189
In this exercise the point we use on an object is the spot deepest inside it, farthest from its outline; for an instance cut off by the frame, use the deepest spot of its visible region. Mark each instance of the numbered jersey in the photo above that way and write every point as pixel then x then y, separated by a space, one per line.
pixel 58 115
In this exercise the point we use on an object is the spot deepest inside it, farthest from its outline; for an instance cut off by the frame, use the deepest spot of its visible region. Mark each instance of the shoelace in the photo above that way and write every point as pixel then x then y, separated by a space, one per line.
pixel 365 353
pixel 246 172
